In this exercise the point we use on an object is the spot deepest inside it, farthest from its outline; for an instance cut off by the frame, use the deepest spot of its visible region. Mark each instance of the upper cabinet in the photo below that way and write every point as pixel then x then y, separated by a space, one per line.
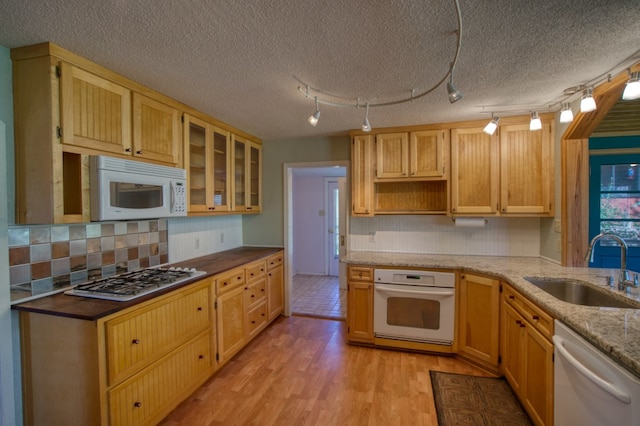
pixel 362 176
pixel 95 113
pixel 67 108
pixel 416 155
pixel 246 172
pixel 206 154
pixel 526 170
pixel 156 131
pixel 474 171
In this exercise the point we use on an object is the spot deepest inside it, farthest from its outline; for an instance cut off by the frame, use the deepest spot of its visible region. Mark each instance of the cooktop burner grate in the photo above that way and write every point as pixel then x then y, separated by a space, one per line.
pixel 133 284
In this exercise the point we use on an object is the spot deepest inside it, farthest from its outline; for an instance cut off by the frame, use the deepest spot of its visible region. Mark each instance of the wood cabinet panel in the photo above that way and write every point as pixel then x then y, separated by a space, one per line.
pixel 140 337
pixel 360 304
pixel 526 169
pixel 275 286
pixel 427 154
pixel 362 176
pixel 479 319
pixel 474 172
pixel 257 319
pixel 392 155
pixel 230 280
pixel 151 395
pixel 157 133
pixel 246 169
pixel 231 323
pixel 95 113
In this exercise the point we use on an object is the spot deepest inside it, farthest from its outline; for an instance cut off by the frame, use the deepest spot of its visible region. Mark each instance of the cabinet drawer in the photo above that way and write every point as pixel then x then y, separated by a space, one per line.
pixel 256 293
pixel 150 395
pixel 255 271
pixel 275 261
pixel 360 273
pixel 542 321
pixel 257 318
pixel 230 280
pixel 138 338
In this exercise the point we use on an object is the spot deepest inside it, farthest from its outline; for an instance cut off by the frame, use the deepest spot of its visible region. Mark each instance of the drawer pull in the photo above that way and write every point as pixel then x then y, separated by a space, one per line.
pixel 137 404
pixel 511 297
pixel 200 356
pixel 253 322
pixel 238 278
pixel 262 289
pixel 253 295
pixel 136 341
pixel 518 322
pixel 535 317
pixel 199 308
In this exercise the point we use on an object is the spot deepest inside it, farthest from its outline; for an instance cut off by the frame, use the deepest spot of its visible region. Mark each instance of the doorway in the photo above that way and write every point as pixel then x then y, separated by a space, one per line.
pixel 315 238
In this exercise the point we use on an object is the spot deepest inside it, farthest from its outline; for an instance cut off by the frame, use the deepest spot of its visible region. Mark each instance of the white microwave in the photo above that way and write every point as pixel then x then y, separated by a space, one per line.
pixel 129 190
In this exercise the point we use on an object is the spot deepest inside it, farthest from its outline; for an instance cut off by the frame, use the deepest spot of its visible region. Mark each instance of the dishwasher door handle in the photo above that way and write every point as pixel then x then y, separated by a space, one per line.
pixel 610 388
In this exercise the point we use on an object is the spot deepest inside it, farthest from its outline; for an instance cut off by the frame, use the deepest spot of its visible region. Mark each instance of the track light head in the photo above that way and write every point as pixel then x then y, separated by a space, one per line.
pixel 632 89
pixel 566 115
pixel 313 118
pixel 454 94
pixel 491 126
pixel 366 126
pixel 587 104
pixel 535 123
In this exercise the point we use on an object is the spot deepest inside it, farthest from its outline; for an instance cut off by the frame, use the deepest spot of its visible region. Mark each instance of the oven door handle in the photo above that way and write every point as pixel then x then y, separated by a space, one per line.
pixel 432 292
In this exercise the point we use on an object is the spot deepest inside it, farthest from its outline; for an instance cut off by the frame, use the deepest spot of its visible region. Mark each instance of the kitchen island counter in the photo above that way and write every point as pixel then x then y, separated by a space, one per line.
pixel 615 331
pixel 92 309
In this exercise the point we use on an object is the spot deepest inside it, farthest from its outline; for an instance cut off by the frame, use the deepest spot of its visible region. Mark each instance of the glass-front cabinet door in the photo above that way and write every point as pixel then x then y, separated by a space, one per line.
pixel 207 164
pixel 247 175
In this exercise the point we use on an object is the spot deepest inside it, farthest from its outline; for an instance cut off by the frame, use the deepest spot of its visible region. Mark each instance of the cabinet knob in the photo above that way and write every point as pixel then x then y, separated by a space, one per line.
pixel 199 308
pixel 139 152
pixel 518 322
pixel 135 341
pixel 200 356
pixel 535 317
pixel 253 322
pixel 253 295
pixel 262 290
pixel 246 288
pixel 127 150
pixel 511 297
pixel 137 404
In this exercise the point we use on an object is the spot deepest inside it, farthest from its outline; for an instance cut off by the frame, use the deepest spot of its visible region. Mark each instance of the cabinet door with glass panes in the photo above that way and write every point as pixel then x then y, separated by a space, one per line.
pixel 207 163
pixel 246 164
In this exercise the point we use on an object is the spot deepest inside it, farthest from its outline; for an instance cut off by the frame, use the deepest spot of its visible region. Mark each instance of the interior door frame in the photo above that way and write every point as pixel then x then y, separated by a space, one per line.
pixel 288 217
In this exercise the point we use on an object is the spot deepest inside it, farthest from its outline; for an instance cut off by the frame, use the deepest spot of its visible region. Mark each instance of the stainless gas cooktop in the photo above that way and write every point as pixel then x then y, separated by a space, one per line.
pixel 128 286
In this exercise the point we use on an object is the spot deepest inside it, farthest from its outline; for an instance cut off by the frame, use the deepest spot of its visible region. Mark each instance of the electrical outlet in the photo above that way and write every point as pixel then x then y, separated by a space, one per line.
pixel 196 243
pixel 372 237
pixel 557 226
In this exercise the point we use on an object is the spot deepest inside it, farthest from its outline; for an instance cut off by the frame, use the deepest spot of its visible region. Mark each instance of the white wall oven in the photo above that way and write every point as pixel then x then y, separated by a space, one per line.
pixel 415 306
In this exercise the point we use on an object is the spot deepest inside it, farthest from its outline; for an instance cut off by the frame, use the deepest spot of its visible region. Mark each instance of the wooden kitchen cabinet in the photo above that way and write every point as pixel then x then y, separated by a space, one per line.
pixel 231 312
pixel 479 320
pixel 360 304
pixel 256 298
pixel 420 154
pixel 362 176
pixel 130 368
pixel 207 161
pixel 157 134
pixel 275 285
pixel 246 169
pixel 527 354
pixel 474 171
pixel 526 170
pixel 67 108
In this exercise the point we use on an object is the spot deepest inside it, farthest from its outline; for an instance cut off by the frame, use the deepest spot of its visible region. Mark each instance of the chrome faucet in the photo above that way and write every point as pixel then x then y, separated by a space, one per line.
pixel 624 280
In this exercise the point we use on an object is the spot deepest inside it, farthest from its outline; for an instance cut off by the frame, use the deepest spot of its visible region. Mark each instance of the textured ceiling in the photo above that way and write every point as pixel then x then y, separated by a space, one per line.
pixel 239 60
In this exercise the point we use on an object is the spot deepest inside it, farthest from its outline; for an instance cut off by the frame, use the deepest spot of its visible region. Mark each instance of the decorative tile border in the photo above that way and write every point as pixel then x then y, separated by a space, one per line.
pixel 48 258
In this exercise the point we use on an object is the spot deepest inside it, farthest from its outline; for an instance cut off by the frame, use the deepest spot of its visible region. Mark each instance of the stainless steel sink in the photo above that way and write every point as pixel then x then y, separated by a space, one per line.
pixel 578 293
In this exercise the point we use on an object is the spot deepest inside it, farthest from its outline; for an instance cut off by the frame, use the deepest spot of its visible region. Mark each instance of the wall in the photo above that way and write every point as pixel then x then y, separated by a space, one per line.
pixel 10 401
pixel 267 229
pixel 198 236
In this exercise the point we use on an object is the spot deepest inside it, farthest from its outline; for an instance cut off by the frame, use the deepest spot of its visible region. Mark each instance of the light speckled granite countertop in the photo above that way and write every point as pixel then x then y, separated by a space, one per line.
pixel 615 331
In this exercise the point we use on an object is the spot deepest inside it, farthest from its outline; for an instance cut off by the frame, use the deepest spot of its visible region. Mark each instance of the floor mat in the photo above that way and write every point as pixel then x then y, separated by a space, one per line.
pixel 471 400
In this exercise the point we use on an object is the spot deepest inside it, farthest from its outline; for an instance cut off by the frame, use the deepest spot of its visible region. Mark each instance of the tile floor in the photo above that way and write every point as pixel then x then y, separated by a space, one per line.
pixel 318 295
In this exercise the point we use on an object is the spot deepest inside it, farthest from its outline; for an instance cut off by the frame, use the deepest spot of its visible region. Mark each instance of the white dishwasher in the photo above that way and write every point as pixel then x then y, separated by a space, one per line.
pixel 590 389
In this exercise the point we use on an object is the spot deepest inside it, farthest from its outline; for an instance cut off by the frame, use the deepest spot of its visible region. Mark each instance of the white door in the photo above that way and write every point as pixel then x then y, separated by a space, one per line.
pixel 342 220
pixel 333 226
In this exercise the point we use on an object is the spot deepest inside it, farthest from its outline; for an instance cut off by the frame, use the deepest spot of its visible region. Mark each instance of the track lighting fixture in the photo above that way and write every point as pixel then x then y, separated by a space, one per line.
pixel 566 115
pixel 587 104
pixel 454 94
pixel 491 127
pixel 366 126
pixel 313 118
pixel 535 123
pixel 632 89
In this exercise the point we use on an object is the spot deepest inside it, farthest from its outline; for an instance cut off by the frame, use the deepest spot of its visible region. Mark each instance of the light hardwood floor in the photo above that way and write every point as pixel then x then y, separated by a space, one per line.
pixel 300 371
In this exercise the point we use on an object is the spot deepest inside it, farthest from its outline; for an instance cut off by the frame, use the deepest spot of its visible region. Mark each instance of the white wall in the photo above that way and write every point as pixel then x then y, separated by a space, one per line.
pixel 309 248
pixel 199 236
pixel 438 235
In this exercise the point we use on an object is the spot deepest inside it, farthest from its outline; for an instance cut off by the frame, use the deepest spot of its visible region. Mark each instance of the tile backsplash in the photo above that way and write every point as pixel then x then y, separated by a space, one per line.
pixel 48 258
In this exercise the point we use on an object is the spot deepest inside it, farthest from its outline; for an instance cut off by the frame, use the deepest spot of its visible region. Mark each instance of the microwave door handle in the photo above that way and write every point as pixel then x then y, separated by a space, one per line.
pixel 172 196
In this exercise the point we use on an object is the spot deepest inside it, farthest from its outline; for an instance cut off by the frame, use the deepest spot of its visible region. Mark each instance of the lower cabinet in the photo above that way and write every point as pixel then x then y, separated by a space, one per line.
pixel 527 354
pixel 479 320
pixel 360 304
pixel 275 285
